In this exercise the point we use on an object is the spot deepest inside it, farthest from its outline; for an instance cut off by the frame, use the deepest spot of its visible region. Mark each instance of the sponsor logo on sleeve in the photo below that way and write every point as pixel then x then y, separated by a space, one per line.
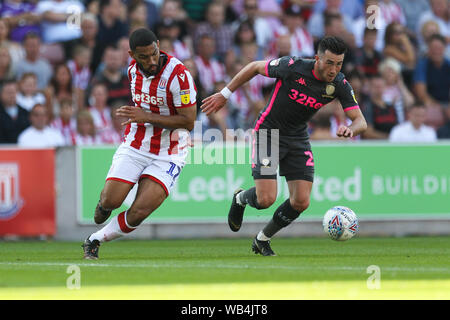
pixel 185 96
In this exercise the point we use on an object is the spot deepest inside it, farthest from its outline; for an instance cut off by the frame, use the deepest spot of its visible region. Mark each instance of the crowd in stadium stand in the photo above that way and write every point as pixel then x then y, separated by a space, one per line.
pixel 63 64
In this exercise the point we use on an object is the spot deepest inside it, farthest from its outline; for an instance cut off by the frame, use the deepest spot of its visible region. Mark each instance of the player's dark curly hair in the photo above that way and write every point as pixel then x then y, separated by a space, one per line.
pixel 333 44
pixel 141 37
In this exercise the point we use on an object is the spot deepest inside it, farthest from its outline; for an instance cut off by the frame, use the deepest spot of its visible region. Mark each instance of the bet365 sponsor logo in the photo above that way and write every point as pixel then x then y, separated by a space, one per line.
pixel 10 201
pixel 146 98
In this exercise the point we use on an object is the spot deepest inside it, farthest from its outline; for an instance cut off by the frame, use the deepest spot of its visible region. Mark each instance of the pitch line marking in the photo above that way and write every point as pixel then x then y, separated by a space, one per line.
pixel 221 266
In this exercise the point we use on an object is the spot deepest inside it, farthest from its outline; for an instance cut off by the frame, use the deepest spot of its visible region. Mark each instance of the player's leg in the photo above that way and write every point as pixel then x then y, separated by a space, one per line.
pixel 261 196
pixel 287 212
pixel 264 172
pixel 123 174
pixel 112 196
pixel 149 196
pixel 298 168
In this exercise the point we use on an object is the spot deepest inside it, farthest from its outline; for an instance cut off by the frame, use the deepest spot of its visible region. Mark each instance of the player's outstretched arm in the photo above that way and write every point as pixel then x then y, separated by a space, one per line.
pixel 184 119
pixel 216 101
pixel 357 127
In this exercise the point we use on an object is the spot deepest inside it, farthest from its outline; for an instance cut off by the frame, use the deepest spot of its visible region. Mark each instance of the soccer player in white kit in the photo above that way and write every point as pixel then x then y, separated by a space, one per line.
pixel 155 141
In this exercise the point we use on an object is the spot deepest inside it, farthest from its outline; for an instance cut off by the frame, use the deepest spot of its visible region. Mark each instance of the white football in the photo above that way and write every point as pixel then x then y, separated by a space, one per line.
pixel 340 223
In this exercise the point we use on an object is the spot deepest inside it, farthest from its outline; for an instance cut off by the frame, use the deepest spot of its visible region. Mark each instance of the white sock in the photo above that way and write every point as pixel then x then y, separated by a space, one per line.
pixel 116 228
pixel 238 199
pixel 262 237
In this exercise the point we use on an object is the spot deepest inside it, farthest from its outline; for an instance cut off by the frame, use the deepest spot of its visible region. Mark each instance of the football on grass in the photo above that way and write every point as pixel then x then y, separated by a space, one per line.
pixel 340 223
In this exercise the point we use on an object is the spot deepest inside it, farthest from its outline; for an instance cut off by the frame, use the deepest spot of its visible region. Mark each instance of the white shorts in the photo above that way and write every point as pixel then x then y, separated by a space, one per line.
pixel 130 166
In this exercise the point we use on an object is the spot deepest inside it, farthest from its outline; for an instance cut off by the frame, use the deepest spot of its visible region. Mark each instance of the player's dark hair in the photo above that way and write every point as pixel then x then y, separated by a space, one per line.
pixel 333 44
pixel 142 37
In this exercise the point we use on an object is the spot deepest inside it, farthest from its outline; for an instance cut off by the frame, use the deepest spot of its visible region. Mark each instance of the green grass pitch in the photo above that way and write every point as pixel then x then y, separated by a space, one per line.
pixel 304 268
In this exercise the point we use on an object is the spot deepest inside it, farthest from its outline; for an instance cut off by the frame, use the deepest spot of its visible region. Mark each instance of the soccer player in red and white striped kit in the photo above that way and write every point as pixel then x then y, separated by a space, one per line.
pixel 155 141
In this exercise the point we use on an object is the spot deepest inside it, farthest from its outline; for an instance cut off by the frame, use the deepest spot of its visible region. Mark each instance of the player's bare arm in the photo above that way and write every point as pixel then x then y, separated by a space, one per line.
pixel 216 101
pixel 184 119
pixel 357 127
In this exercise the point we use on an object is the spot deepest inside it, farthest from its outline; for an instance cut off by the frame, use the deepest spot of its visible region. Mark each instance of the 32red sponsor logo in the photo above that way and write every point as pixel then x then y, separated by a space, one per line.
pixel 304 99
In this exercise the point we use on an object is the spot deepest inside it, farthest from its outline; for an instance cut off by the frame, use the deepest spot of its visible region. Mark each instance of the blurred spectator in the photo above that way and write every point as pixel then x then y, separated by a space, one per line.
pixel 7 66
pixel 398 45
pixel 413 130
pixel 396 92
pixel 196 9
pixel 39 134
pixel 33 63
pixel 81 74
pixel 381 117
pixel 114 133
pixel 283 46
pixel 371 20
pixel 246 102
pixel 302 44
pixel 245 34
pixel 357 80
pixel 21 17
pixel 110 29
pixel 439 13
pixel 89 30
pixel 137 15
pixel 100 111
pixel 66 123
pixel 13 118
pixel 316 23
pixel 249 52
pixel 367 57
pixel 124 46
pixel 353 8
pixel 28 95
pixel 429 28
pixel 16 52
pixel 321 127
pixel 216 28
pixel 431 77
pixel 444 131
pixel 209 69
pixel 172 11
pixel 432 81
pixel 392 12
pixel 413 12
pixel 86 134
pixel 60 88
pixel 334 26
pixel 59 18
pixel 250 19
pixel 338 116
pixel 171 30
pixel 113 77
pixel 192 67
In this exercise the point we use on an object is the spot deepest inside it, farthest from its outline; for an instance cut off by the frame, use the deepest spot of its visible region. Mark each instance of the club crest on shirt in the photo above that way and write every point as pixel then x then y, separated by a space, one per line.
pixel 162 84
pixel 185 96
pixel 329 89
